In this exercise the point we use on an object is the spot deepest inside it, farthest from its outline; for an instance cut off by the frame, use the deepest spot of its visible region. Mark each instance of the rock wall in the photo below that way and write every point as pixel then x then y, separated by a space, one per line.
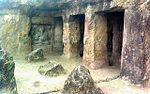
pixel 14 33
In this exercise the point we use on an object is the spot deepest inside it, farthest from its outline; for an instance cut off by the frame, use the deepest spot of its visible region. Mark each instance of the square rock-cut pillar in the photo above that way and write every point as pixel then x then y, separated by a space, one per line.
pixel 66 37
pixel 117 43
pixel 136 47
pixel 95 41
pixel 74 25
pixel 71 35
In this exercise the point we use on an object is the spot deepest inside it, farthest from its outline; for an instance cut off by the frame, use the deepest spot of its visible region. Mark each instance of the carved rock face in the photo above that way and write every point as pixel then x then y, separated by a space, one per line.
pixel 7 79
pixel 80 82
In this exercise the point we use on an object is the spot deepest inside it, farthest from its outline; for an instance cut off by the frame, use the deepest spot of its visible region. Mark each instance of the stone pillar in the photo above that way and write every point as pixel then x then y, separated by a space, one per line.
pixel 88 53
pixel 95 40
pixel 74 26
pixel 66 37
pixel 136 46
pixel 100 41
pixel 71 36
pixel 146 28
pixel 133 48
pixel 58 35
pixel 116 43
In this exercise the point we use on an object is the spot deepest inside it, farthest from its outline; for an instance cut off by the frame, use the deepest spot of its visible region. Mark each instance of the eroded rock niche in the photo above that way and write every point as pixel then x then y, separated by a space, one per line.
pixel 47 34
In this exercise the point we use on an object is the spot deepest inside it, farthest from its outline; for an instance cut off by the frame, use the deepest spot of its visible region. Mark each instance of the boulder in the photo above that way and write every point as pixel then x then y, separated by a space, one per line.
pixel 7 79
pixel 51 69
pixel 36 55
pixel 80 82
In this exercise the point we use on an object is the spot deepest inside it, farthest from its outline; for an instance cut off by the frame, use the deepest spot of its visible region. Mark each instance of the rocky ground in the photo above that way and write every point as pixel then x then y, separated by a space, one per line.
pixel 29 81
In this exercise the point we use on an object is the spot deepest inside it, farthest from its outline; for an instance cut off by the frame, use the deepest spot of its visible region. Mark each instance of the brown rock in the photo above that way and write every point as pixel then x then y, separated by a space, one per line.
pixel 80 82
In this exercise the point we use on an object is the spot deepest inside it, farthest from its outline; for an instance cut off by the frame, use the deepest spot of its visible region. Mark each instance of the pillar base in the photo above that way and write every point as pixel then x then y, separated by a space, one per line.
pixel 98 64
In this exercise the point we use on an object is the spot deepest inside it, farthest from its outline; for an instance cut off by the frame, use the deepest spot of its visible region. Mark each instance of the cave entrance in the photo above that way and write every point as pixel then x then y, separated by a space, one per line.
pixel 115 22
pixel 77 33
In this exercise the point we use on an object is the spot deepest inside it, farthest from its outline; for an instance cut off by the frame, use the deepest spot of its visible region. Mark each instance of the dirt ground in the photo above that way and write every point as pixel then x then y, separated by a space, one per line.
pixel 29 81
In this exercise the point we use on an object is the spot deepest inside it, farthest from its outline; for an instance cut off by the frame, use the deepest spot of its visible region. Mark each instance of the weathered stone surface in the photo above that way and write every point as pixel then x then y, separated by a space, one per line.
pixel 41 36
pixel 100 42
pixel 135 55
pixel 7 79
pixel 80 82
pixel 47 36
pixel 42 20
pixel 14 30
pixel 95 40
pixel 146 10
pixel 52 69
pixel 73 35
pixel 58 35
pixel 88 55
pixel 66 37
pixel 36 55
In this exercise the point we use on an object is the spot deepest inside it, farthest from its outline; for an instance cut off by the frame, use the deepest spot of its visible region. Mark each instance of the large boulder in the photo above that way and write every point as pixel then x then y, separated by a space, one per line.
pixel 36 55
pixel 80 82
pixel 51 69
pixel 7 79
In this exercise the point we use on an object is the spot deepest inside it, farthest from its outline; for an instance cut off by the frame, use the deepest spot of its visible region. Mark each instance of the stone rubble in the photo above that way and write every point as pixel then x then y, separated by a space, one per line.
pixel 36 55
pixel 51 69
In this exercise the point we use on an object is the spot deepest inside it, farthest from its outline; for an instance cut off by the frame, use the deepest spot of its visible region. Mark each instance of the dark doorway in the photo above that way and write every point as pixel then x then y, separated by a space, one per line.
pixel 115 22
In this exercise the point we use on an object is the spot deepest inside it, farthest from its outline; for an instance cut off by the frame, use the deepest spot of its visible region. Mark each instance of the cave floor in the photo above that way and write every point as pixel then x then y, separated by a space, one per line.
pixel 29 81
